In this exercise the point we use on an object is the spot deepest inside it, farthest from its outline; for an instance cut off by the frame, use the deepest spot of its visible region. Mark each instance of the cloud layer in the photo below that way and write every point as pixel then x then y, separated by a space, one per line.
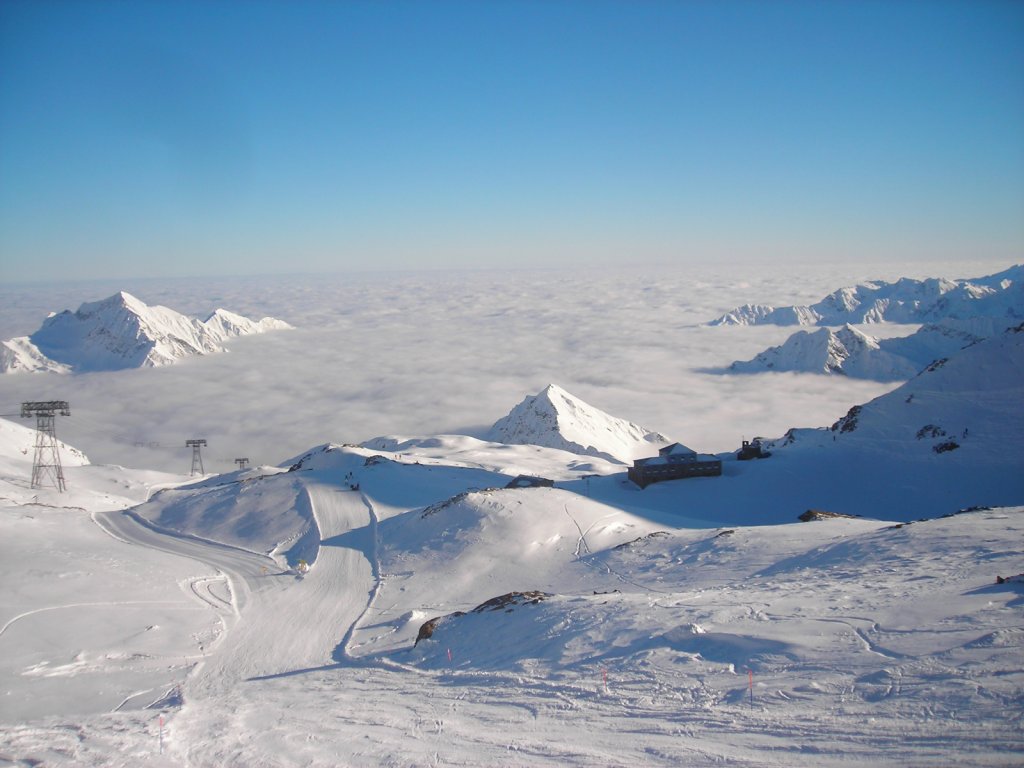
pixel 438 353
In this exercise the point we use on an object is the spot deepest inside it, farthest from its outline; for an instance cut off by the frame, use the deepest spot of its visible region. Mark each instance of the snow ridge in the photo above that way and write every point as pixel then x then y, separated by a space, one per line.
pixel 20 355
pixel 848 351
pixel 904 301
pixel 553 418
pixel 123 332
pixel 969 402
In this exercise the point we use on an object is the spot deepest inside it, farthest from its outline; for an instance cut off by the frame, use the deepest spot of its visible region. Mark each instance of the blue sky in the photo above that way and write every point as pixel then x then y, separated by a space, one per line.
pixel 190 138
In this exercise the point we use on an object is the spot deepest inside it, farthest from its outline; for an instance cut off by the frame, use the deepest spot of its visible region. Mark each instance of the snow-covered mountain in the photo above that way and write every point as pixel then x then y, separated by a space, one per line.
pixel 904 301
pixel 606 607
pixel 20 355
pixel 853 353
pixel 969 403
pixel 553 418
pixel 223 325
pixel 124 332
pixel 846 350
pixel 614 608
pixel 17 448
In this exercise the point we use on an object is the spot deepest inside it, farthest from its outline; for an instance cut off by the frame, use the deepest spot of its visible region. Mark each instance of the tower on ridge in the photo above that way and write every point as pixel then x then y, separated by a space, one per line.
pixel 46 460
pixel 197 457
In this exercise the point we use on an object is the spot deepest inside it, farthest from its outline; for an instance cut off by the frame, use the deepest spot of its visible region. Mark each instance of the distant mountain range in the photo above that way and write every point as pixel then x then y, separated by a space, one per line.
pixel 123 332
pixel 851 352
pixel 969 401
pixel 904 301
pixel 956 313
pixel 553 418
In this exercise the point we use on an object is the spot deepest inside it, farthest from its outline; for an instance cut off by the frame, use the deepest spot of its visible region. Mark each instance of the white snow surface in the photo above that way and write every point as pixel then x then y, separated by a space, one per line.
pixel 154 619
pixel 844 351
pixel 556 419
pixel 692 623
pixel 223 325
pixel 124 332
pixel 851 352
pixel 904 301
pixel 20 355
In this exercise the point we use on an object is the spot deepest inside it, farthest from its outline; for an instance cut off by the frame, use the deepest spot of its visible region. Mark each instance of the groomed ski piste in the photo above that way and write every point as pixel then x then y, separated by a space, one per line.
pixel 276 616
pixel 450 600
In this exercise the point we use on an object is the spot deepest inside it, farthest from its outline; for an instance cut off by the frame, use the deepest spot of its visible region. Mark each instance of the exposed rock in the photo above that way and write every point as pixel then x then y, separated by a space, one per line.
pixel 507 602
pixel 820 514
pixel 849 422
pixel 433 509
pixel 642 539
pixel 529 481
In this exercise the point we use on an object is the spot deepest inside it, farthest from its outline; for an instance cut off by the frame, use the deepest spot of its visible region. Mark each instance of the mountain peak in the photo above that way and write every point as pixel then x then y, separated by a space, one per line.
pixel 906 300
pixel 122 331
pixel 120 300
pixel 554 418
pixel 844 351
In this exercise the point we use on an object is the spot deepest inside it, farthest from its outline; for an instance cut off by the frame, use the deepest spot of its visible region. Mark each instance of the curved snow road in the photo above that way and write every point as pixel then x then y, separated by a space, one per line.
pixel 246 571
pixel 280 623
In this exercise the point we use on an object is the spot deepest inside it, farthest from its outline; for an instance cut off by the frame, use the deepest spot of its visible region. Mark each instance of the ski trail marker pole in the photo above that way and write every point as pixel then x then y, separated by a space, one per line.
pixel 604 674
pixel 161 733
pixel 750 677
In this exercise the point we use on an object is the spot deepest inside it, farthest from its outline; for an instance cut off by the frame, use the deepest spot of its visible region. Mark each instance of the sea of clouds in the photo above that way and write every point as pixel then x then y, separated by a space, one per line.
pixel 447 352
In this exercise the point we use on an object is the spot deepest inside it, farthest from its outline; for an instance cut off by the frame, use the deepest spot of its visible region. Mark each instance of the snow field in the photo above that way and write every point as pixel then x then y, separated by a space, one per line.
pixel 692 623
pixel 868 641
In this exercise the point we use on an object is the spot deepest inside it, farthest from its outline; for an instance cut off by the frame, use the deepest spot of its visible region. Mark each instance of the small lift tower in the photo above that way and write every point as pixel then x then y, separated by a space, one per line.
pixel 197 458
pixel 46 462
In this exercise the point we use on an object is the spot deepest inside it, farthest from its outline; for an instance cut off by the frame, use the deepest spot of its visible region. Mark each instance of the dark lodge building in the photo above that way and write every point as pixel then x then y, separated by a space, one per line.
pixel 673 462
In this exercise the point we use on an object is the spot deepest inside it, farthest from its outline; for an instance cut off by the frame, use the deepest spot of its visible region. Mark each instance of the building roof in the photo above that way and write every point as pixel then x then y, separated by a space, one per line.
pixel 676 449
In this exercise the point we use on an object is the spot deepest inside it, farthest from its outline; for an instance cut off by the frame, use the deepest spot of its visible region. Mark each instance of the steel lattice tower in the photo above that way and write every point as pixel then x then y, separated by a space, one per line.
pixel 242 463
pixel 46 461
pixel 197 458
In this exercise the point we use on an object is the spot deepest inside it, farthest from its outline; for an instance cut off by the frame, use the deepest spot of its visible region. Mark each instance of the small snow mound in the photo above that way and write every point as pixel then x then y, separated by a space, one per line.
pixel 506 603
pixel 1011 637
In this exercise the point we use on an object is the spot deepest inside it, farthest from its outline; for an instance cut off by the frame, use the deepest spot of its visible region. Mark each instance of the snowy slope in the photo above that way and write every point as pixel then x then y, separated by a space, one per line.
pixel 904 301
pixel 970 401
pixel 690 623
pixel 805 644
pixel 845 351
pixel 556 419
pixel 854 353
pixel 261 510
pixel 17 449
pixel 223 325
pixel 951 437
pixel 20 355
pixel 124 332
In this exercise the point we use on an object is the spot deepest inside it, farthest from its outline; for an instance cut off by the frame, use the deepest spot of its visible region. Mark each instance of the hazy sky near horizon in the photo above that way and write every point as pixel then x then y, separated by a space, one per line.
pixel 191 138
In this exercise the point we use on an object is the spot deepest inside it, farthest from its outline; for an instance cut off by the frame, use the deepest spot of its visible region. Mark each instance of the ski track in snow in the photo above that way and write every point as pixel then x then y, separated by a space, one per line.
pixel 286 638
pixel 374 560
pixel 11 622
pixel 654 713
